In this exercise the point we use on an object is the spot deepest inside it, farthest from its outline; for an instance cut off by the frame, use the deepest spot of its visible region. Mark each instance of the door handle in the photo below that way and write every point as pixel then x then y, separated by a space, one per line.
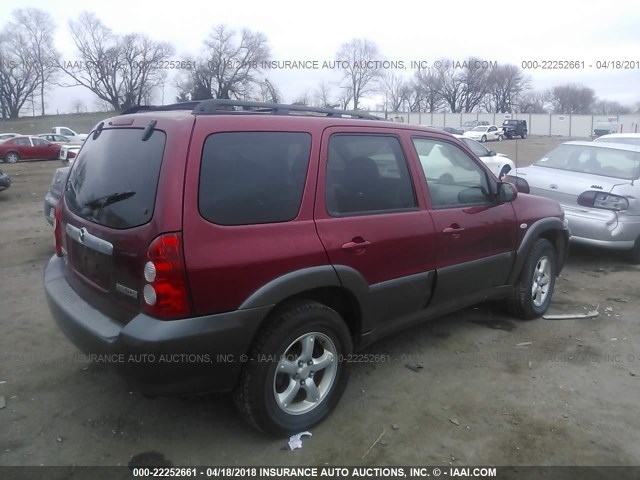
pixel 358 245
pixel 454 229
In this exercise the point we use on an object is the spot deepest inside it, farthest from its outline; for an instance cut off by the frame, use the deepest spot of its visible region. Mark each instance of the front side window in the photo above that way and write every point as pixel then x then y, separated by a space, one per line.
pixel 253 177
pixel 453 178
pixel 66 131
pixel 367 174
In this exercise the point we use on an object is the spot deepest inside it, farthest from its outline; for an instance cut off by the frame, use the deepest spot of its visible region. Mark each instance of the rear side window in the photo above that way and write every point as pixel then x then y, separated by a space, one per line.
pixel 253 177
pixel 114 181
pixel 367 174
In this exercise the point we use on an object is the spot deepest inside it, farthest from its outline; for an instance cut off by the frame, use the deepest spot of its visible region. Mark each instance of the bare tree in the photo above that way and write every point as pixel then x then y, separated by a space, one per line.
pixel 37 28
pixel 269 92
pixel 507 83
pixel 395 89
pixel 302 99
pixel 78 106
pixel 607 107
pixel 323 96
pixel 19 77
pixel 534 102
pixel 229 65
pixel 449 85
pixel 425 94
pixel 572 98
pixel 121 70
pixel 345 97
pixel 359 61
pixel 475 83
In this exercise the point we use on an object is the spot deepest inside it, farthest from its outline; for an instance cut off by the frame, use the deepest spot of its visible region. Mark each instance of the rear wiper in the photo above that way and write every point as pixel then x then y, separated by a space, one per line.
pixel 101 202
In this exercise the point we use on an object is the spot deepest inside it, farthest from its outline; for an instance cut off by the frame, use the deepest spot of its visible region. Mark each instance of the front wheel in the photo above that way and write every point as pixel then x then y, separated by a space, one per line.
pixel 11 157
pixel 524 135
pixel 634 253
pixel 483 139
pixel 295 376
pixel 532 293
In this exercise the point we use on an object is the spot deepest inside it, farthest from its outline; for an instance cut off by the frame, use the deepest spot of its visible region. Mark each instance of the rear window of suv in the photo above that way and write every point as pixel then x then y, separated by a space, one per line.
pixel 253 177
pixel 114 181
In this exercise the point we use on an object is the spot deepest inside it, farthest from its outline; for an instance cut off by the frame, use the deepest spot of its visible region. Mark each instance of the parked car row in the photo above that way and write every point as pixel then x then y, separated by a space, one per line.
pixel 45 146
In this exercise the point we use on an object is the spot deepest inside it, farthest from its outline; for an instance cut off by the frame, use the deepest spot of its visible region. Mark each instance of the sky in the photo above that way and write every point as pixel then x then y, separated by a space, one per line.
pixel 585 31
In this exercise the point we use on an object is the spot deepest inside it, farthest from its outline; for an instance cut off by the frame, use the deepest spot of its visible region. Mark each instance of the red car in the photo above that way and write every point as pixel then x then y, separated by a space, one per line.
pixel 28 148
pixel 253 247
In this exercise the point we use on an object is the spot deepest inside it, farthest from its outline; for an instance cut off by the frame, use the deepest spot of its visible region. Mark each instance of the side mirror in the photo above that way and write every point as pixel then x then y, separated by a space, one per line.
pixel 492 153
pixel 507 192
pixel 521 184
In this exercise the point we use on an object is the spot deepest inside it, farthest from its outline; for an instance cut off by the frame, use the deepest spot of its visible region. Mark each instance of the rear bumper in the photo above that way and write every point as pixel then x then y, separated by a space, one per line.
pixel 603 229
pixel 161 357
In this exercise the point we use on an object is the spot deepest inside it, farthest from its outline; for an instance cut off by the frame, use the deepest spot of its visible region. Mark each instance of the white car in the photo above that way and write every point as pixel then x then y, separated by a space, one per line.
pixel 485 133
pixel 68 154
pixel 499 163
pixel 623 138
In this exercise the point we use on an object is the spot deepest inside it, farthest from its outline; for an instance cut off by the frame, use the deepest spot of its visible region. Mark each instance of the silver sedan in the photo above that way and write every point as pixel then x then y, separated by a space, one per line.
pixel 597 185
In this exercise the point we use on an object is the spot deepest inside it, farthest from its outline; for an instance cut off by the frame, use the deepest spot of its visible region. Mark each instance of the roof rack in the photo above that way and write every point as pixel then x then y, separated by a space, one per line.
pixel 224 106
pixel 161 108
pixel 240 107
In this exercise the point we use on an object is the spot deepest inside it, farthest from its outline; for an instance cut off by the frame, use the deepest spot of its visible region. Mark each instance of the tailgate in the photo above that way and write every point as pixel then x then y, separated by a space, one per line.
pixel 108 215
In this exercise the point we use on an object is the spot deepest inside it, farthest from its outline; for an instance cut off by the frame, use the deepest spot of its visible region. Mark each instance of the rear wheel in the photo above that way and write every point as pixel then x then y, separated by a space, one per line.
pixel 634 253
pixel 532 293
pixel 11 157
pixel 499 138
pixel 295 376
pixel 483 139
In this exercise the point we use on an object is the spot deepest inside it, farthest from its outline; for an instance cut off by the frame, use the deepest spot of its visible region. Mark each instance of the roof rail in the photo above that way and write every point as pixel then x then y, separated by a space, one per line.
pixel 240 107
pixel 161 108
pixel 225 106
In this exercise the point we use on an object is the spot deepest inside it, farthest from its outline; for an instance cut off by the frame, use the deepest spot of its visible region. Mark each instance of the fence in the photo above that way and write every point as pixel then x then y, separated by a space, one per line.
pixel 537 123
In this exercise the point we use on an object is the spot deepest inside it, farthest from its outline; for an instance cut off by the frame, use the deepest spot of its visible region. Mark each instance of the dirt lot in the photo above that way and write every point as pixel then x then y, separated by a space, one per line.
pixel 568 398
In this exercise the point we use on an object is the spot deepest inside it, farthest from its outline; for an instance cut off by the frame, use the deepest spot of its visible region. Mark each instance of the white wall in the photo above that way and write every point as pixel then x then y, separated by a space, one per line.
pixel 538 123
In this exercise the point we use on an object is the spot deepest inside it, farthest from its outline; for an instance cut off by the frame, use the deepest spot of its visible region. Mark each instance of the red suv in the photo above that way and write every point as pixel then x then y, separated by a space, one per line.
pixel 250 247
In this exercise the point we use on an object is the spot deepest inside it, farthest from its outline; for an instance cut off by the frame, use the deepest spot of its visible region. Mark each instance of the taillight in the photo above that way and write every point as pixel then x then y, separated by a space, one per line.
pixel 57 231
pixel 165 293
pixel 606 201
pixel 71 154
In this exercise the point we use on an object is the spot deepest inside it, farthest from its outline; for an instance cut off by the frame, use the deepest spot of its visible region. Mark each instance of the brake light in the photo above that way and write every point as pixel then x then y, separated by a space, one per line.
pixel 165 292
pixel 57 230
pixel 606 201
pixel 71 154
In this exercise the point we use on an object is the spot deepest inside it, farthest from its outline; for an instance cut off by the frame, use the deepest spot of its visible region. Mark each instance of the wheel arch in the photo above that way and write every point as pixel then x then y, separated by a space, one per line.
pixel 320 284
pixel 552 229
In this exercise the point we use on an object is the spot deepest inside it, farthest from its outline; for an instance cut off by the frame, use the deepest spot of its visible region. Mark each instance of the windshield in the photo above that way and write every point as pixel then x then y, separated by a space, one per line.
pixel 468 124
pixel 480 129
pixel 114 181
pixel 593 159
pixel 510 122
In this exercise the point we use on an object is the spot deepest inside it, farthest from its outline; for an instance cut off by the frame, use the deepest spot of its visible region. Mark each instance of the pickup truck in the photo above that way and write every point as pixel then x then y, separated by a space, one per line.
pixel 70 134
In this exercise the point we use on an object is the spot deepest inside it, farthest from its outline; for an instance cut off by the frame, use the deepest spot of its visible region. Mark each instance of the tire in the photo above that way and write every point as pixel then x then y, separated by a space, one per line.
pixel 483 139
pixel 499 138
pixel 261 395
pixel 634 253
pixel 524 135
pixel 503 171
pixel 522 302
pixel 12 157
